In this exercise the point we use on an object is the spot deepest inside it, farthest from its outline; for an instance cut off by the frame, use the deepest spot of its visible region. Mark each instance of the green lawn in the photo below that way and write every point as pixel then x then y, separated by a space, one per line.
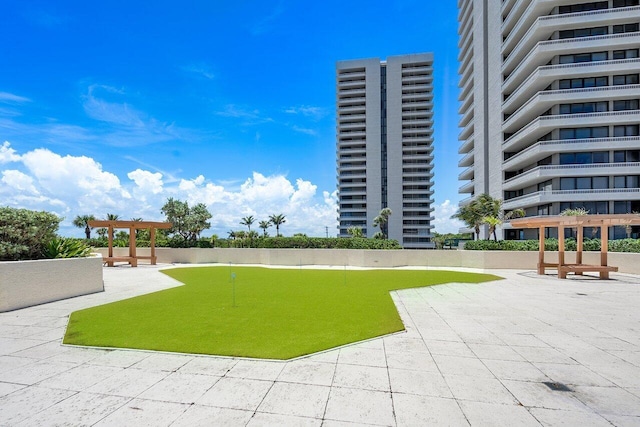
pixel 278 314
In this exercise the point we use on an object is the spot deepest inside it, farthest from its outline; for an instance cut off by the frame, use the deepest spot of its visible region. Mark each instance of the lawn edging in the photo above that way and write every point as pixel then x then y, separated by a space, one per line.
pixel 626 262
pixel 28 283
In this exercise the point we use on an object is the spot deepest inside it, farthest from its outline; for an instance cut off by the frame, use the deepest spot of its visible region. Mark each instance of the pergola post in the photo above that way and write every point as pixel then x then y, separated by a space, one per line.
pixel 541 231
pixel 152 243
pixel 604 247
pixel 579 243
pixel 562 273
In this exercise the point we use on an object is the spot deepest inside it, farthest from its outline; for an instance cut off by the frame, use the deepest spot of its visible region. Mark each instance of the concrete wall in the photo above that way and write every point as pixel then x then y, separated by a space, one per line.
pixel 627 263
pixel 27 283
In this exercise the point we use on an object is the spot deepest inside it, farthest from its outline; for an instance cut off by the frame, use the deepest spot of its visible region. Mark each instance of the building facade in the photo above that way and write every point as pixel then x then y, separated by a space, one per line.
pixel 384 146
pixel 550 94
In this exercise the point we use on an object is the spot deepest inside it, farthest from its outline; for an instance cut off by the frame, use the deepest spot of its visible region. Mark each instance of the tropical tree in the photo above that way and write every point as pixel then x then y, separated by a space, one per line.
pixel 187 222
pixel 277 220
pixel 232 234
pixel 82 221
pixel 486 210
pixel 379 235
pixel 355 231
pixel 138 230
pixel 264 225
pixel 382 221
pixel 112 217
pixel 471 215
pixel 248 220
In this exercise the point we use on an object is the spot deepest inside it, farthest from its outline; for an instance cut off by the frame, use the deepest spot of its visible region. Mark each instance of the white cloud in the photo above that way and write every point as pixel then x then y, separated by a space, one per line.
pixel 308 111
pixel 201 70
pixel 75 185
pixel 8 154
pixel 443 223
pixel 10 97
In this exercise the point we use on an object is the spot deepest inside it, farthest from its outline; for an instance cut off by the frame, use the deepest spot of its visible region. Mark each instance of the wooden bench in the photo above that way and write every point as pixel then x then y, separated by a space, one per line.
pixel 603 270
pixel 133 261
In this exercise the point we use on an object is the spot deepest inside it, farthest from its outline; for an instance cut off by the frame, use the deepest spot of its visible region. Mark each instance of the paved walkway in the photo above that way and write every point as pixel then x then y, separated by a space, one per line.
pixel 472 354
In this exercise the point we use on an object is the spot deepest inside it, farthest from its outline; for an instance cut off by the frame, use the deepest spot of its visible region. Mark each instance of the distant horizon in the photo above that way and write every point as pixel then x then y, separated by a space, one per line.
pixel 230 105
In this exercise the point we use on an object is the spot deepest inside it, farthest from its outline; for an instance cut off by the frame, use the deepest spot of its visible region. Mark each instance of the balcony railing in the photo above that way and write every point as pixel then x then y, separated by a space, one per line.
pixel 539 197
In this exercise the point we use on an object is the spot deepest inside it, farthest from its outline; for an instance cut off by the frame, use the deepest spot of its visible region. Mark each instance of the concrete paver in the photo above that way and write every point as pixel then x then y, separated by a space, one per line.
pixel 472 354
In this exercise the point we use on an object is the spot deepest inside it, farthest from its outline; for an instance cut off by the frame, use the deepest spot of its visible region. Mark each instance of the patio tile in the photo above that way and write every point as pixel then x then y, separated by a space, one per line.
pixel 42 351
pixel 181 388
pixel 82 409
pixel 120 358
pixel 522 340
pixel 543 355
pixel 8 363
pixel 493 414
pixel 206 416
pixel 8 388
pixel 35 372
pixel 495 352
pixel 163 362
pixel 296 399
pixel 417 382
pixel 128 383
pixel 80 377
pixel 139 412
pixel 402 344
pixel 77 355
pixel 208 366
pixel 364 377
pixel 362 356
pixel 554 417
pixel 622 420
pixel 256 370
pixel 330 356
pixel 572 374
pixel 236 393
pixel 262 419
pixel 462 366
pixel 14 345
pixel 609 400
pixel 305 372
pixel 449 348
pixel 360 406
pixel 512 370
pixel 538 395
pixel 489 390
pixel 412 361
pixel 414 410
pixel 21 404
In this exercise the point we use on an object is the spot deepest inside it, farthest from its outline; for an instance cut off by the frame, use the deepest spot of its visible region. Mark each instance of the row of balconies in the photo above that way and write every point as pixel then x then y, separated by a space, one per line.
pixel 544 100
pixel 543 76
pixel 552 196
pixel 542 125
pixel 543 173
pixel 545 51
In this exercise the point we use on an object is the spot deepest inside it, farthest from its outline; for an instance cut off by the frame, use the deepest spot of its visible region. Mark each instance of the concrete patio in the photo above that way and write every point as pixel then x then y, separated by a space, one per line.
pixel 472 354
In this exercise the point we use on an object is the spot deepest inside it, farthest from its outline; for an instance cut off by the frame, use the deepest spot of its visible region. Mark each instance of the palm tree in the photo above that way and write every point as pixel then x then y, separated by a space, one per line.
pixel 232 234
pixel 112 217
pixel 277 220
pixel 138 230
pixel 248 220
pixel 355 231
pixel 264 225
pixel 382 220
pixel 82 221
pixel 471 214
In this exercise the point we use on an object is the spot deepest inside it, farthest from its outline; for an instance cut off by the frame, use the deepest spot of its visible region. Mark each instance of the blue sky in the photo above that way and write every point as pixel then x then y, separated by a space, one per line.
pixel 113 107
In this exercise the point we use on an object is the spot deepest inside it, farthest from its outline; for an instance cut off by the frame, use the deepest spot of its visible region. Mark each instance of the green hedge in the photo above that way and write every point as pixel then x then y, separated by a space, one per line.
pixel 24 233
pixel 622 245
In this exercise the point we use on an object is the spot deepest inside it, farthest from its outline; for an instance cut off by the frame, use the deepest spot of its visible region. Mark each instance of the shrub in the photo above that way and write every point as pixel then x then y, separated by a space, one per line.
pixel 24 233
pixel 61 247
pixel 570 244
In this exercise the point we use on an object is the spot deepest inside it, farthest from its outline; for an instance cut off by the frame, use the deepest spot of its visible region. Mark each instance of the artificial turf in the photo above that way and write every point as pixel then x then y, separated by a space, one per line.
pixel 278 313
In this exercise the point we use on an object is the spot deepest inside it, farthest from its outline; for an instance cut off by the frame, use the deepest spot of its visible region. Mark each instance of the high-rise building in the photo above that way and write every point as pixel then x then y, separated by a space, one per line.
pixel 550 95
pixel 384 146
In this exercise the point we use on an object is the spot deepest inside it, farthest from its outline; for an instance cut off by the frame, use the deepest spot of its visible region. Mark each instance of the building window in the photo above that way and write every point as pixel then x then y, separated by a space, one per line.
pixel 626 79
pixel 584 183
pixel 584 107
pixel 626 156
pixel 625 3
pixel 584 158
pixel 626 104
pixel 625 28
pixel 583 7
pixel 585 82
pixel 625 130
pixel 624 54
pixel 585 32
pixel 592 207
pixel 632 181
pixel 580 133
pixel 593 56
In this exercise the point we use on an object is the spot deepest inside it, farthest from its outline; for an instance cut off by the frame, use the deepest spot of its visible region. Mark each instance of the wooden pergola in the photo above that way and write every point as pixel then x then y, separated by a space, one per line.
pixel 603 222
pixel 133 258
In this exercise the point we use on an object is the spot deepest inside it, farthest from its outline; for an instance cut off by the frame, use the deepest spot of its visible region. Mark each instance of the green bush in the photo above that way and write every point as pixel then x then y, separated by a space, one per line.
pixel 304 242
pixel 61 247
pixel 570 244
pixel 24 233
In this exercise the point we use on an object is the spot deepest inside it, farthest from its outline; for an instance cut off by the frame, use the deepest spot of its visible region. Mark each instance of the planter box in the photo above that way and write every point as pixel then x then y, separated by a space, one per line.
pixel 28 283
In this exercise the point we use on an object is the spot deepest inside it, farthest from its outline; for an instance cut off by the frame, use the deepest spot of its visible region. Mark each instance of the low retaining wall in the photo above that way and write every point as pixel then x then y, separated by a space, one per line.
pixel 27 283
pixel 626 262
